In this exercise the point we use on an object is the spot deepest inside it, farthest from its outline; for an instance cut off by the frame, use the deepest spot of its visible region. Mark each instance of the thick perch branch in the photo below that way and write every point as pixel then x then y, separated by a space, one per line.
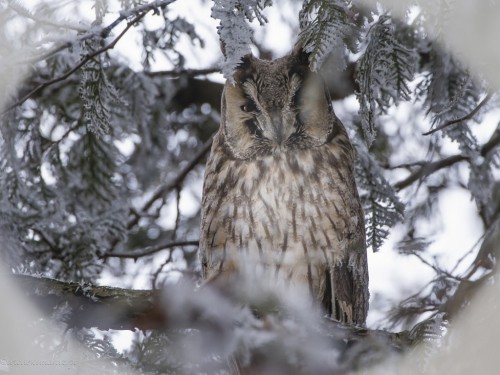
pixel 115 308
pixel 95 306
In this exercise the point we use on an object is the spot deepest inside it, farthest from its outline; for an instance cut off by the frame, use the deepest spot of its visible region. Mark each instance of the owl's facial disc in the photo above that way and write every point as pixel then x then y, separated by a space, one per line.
pixel 273 107
pixel 271 117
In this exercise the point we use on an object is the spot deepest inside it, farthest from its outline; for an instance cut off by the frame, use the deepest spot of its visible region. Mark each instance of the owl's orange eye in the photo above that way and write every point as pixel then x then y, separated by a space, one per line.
pixel 249 106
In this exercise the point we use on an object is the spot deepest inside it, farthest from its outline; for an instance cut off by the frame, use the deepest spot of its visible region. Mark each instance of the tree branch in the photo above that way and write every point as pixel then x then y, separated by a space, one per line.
pixel 151 250
pixel 94 306
pixel 183 72
pixel 464 118
pixel 77 67
pixel 22 11
pixel 139 12
pixel 162 190
pixel 429 168
pixel 87 306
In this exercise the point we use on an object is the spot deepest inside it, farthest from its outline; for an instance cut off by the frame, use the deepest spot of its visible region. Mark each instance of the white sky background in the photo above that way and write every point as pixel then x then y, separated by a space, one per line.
pixel 391 276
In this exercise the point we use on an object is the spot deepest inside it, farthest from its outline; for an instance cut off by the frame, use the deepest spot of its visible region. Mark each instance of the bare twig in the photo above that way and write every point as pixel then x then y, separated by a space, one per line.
pixel 436 268
pixel 158 271
pixel 177 212
pixel 183 72
pixel 151 250
pixel 171 185
pixel 429 168
pixel 464 118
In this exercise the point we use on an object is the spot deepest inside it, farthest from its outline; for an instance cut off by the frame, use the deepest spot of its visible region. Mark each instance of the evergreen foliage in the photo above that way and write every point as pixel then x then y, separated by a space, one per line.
pixel 383 209
pixel 384 73
pixel 328 27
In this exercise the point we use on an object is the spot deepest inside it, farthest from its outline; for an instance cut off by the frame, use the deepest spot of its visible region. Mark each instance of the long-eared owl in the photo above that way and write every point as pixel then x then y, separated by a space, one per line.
pixel 279 194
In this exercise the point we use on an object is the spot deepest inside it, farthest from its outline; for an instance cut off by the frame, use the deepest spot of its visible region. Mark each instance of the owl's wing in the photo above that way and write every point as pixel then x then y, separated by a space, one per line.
pixel 349 284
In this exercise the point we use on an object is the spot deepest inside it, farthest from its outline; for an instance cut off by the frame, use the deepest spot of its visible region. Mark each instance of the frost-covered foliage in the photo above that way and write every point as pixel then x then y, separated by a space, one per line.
pixel 381 204
pixel 328 27
pixel 234 31
pixel 98 95
pixel 384 73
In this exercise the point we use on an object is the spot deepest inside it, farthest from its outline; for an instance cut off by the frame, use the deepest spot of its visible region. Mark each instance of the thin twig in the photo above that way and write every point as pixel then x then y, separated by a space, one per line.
pixel 404 165
pixel 183 72
pixel 151 250
pixel 158 271
pixel 177 212
pixel 429 168
pixel 174 184
pixel 464 118
pixel 436 268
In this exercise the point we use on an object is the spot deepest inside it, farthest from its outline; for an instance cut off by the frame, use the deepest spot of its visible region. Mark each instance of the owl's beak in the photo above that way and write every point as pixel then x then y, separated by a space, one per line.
pixel 277 124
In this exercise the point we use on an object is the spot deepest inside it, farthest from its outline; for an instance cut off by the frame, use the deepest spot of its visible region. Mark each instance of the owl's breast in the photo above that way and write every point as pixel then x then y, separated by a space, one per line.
pixel 287 212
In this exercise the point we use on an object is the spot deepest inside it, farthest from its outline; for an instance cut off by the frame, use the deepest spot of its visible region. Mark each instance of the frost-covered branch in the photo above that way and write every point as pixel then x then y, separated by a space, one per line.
pixel 85 60
pixel 25 12
pixel 234 31
pixel 132 15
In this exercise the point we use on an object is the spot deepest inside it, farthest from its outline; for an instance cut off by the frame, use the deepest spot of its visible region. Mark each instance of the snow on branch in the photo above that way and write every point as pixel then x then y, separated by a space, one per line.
pixel 382 207
pixel 234 31
pixel 384 71
pixel 327 26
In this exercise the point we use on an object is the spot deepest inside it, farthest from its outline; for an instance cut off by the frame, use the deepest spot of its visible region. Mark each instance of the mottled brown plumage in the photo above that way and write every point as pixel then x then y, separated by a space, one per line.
pixel 279 197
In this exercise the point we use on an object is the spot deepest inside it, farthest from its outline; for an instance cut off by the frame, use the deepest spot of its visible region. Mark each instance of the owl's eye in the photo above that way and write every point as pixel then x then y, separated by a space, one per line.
pixel 253 128
pixel 249 107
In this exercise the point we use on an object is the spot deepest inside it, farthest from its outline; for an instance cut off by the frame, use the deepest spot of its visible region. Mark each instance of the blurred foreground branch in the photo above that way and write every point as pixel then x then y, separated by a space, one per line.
pixel 103 307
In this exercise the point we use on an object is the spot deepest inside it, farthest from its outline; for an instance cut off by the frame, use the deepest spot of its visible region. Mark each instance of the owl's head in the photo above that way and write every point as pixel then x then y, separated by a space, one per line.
pixel 275 106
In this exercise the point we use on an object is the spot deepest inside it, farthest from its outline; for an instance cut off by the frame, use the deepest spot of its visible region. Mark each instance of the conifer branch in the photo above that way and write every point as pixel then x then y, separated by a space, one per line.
pixel 77 67
pixel 22 11
pixel 137 13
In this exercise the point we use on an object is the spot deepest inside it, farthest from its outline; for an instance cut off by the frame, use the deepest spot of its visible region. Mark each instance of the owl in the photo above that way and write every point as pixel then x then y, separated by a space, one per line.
pixel 279 194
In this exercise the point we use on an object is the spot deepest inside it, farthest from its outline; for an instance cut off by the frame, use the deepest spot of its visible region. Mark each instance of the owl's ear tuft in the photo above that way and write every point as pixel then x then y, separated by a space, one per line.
pixel 300 61
pixel 244 69
pixel 300 54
